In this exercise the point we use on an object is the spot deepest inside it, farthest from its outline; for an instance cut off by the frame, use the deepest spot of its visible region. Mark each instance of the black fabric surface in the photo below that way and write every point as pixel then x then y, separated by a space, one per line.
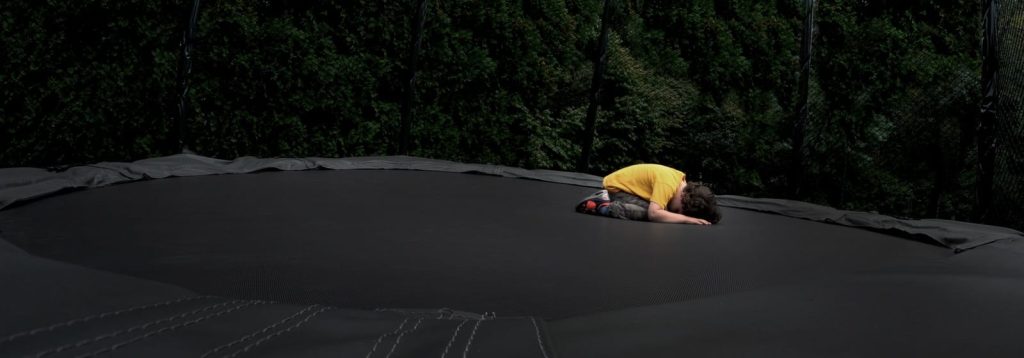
pixel 957 235
pixel 54 309
pixel 359 252
pixel 368 239
pixel 23 184
pixel 877 314
pixel 966 306
pixel 18 185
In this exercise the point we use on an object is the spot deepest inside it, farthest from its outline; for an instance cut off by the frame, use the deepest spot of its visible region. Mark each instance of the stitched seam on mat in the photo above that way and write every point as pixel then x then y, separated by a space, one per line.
pixel 75 321
pixel 170 328
pixel 399 338
pixel 278 333
pixel 262 331
pixel 540 343
pixel 476 327
pixel 441 312
pixel 129 330
pixel 396 310
pixel 379 339
pixel 452 340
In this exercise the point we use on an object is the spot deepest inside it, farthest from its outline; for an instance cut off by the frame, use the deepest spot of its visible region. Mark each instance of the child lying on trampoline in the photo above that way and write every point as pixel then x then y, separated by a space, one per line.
pixel 653 192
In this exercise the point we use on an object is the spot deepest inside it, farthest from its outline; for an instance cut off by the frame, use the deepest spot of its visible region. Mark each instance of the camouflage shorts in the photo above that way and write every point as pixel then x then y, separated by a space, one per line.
pixel 628 206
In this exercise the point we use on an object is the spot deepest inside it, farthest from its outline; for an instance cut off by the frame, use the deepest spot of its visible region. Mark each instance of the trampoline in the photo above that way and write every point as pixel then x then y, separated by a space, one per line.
pixel 410 257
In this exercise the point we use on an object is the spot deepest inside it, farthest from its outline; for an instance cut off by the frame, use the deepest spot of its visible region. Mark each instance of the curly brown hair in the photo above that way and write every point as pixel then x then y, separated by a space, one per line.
pixel 699 202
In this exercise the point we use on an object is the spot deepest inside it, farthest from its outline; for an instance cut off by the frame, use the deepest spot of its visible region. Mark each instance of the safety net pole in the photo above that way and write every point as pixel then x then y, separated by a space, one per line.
pixel 184 74
pixel 600 63
pixel 803 110
pixel 989 107
pixel 409 99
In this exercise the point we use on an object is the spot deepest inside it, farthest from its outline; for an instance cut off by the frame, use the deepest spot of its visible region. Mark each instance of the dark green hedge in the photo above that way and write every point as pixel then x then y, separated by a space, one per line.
pixel 82 81
pixel 707 86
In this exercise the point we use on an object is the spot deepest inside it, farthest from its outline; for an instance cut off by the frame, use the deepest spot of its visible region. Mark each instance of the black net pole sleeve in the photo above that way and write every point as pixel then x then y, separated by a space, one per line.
pixel 409 98
pixel 184 75
pixel 803 109
pixel 989 107
pixel 600 64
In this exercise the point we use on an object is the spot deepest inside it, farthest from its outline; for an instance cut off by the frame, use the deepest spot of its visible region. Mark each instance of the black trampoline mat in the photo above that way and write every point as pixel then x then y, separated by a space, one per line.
pixel 326 263
pixel 366 239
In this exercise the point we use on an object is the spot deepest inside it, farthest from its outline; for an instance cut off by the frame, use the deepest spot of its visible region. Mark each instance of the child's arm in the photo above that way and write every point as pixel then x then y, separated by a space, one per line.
pixel 656 213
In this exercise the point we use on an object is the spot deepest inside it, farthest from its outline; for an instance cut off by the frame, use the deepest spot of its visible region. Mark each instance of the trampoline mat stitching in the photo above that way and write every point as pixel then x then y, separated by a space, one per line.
pixel 398 339
pixel 262 331
pixel 472 335
pixel 75 321
pixel 171 328
pixel 143 326
pixel 279 333
pixel 540 342
pixel 381 337
pixel 451 341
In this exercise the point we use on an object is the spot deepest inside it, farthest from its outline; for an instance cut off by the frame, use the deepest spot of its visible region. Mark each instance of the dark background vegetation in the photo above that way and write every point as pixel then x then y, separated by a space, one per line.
pixel 710 87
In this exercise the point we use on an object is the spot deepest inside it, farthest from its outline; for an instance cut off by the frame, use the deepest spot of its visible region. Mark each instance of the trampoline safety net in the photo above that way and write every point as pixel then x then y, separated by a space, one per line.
pixel 1008 181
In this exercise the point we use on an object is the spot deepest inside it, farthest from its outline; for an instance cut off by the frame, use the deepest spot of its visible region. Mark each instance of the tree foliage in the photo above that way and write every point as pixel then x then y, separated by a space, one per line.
pixel 85 80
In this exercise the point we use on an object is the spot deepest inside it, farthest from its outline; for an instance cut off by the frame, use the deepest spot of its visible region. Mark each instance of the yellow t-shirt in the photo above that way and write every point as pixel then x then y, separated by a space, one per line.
pixel 652 182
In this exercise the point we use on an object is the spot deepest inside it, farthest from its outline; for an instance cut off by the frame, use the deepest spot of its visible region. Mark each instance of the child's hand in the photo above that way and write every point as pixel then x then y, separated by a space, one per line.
pixel 696 221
